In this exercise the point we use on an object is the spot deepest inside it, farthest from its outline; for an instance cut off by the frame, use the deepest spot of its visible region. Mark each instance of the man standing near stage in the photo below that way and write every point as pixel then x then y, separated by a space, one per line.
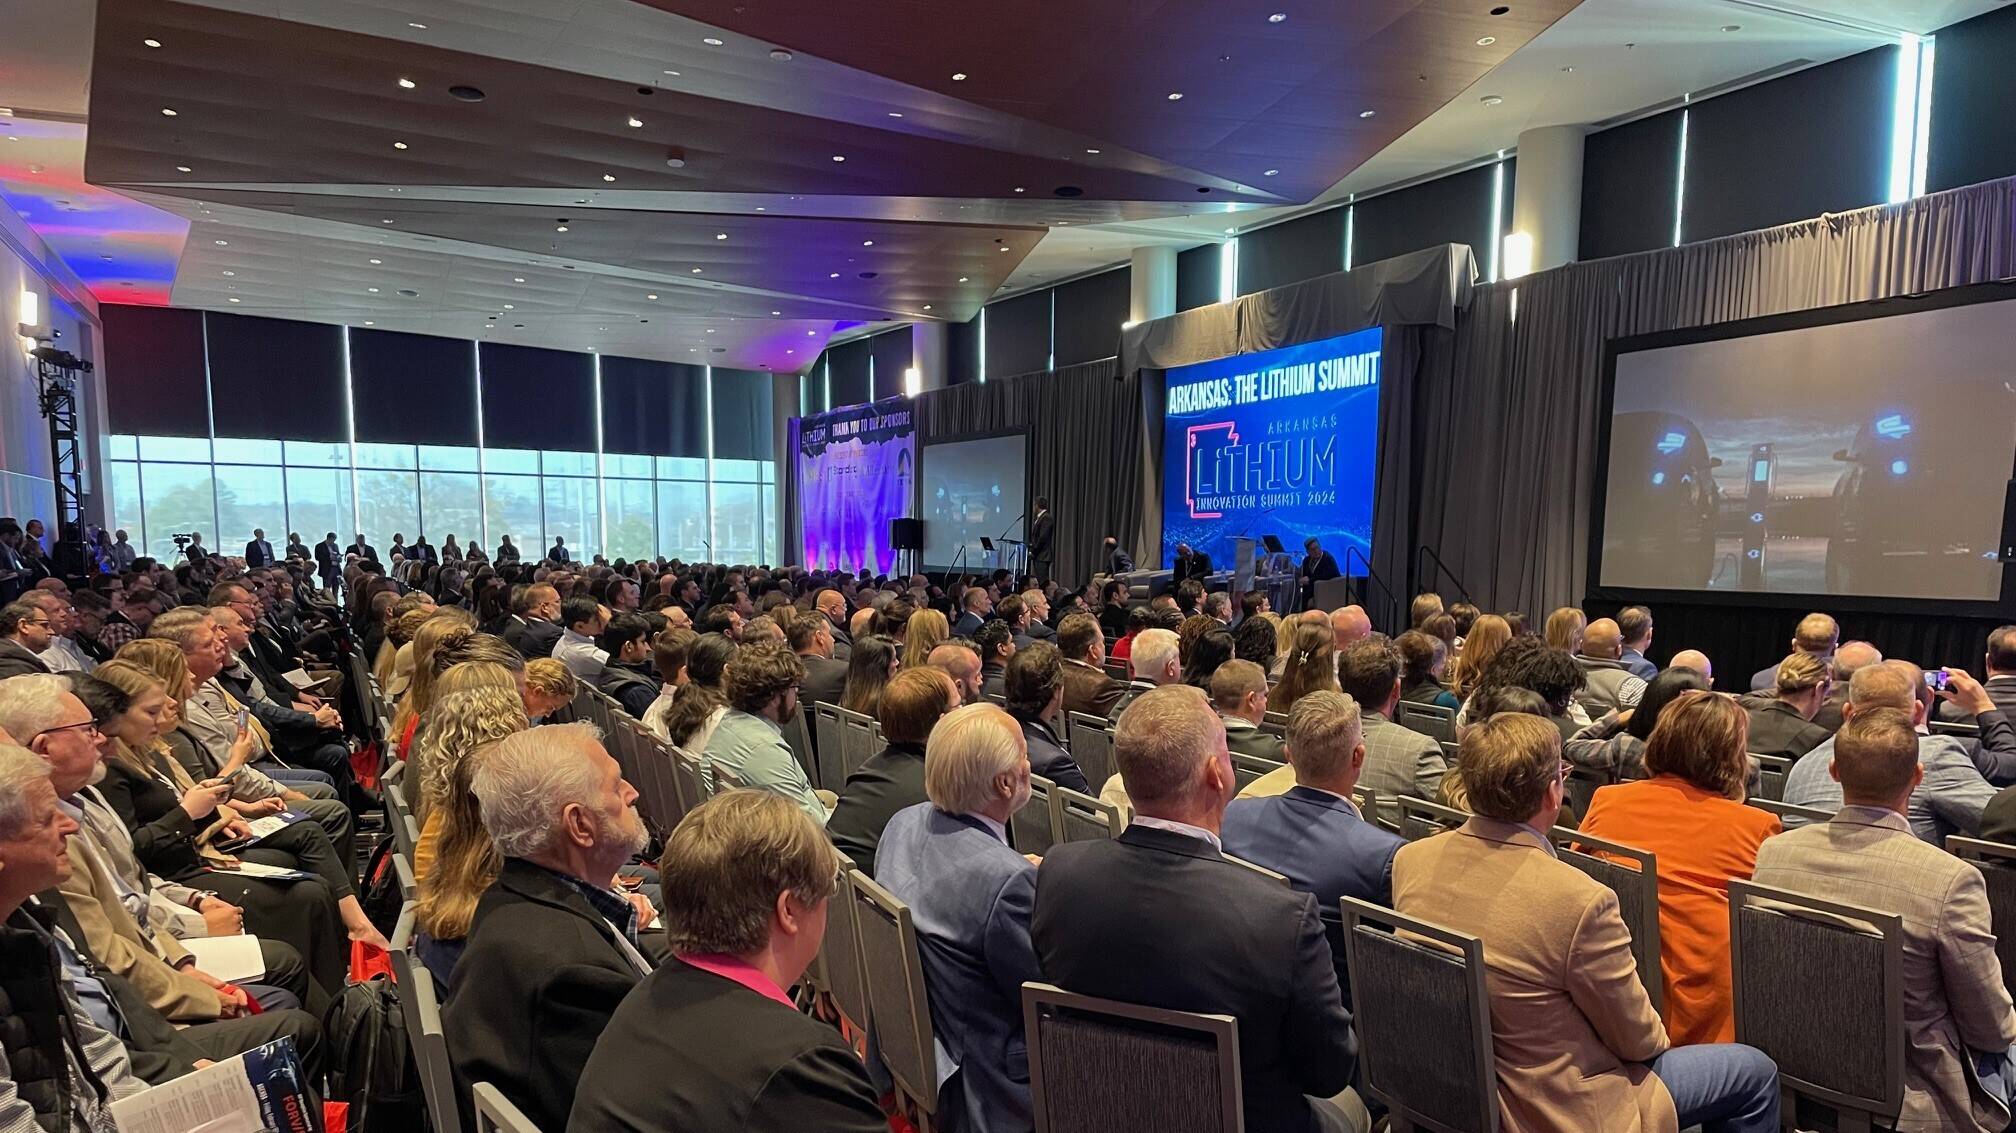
pixel 1042 539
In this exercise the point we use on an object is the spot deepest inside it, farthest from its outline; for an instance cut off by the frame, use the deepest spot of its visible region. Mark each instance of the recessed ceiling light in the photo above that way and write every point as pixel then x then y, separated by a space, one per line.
pixel 710 330
pixel 958 76
pixel 183 169
pixel 839 157
pixel 788 350
pixel 375 260
pixel 1492 99
pixel 867 243
pixel 369 323
pixel 895 114
pixel 1175 96
pixel 1487 40
pixel 927 306
pixel 514 279
pixel 962 279
pixel 398 145
pixel 1271 173
pixel 776 312
pixel 223 243
pixel 780 55
pixel 711 41
pixel 151 42
pixel 720 236
pixel 510 306
pixel 635 122
pixel 1567 70
pixel 416 24
pixel 226 273
pixel 580 200
pixel 608 176
pixel 407 84
pixel 1732 27
pixel 1091 151
pixel 1367 113
pixel 1277 17
pixel 372 290
pixel 559 228
pixel 834 275
pixel 387 220
pixel 696 271
pixel 168 112
pixel 232 299
pixel 489 326
pixel 810 333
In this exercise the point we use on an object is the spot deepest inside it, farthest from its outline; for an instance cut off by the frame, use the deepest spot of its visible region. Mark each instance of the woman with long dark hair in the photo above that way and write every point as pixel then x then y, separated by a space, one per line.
pixel 1615 744
pixel 689 718
pixel 874 661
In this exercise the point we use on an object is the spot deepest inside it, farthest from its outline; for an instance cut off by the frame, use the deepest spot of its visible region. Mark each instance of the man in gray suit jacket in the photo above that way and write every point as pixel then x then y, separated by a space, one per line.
pixel 1610 687
pixel 971 896
pixel 1398 761
pixel 825 678
pixel 1956 1009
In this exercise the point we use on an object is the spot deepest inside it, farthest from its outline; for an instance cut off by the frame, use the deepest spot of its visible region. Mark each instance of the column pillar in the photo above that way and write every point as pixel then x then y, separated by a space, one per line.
pixel 1152 284
pixel 1546 201
pixel 928 354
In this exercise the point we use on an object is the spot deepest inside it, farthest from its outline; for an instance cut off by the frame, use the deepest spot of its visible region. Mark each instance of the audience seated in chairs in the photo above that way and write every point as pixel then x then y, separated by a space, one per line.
pixel 960 660
pixel 1035 686
pixel 1087 687
pixel 997 645
pixel 1998 675
pixel 1153 916
pixel 1423 659
pixel 689 720
pixel 1239 694
pixel 582 619
pixel 627 677
pixel 552 949
pixel 1690 813
pixel 444 628
pixel 549 688
pixel 711 1041
pixel 1477 647
pixel 927 630
pixel 1156 660
pixel 875 659
pixel 811 638
pixel 1609 686
pixel 1312 832
pixel 1256 640
pixel 761 684
pixel 535 625
pixel 1781 724
pixel 461 862
pixel 1615 745
pixel 1311 665
pixel 971 895
pixel 1816 636
pixel 1950 795
pixel 893 778
pixel 1578 1045
pixel 1957 1013
pixel 1398 761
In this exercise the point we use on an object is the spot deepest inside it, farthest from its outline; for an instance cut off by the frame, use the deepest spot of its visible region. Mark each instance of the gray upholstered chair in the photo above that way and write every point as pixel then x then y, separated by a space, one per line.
pixel 1102 1066
pixel 830 742
pixel 496 1114
pixel 840 953
pixel 1997 863
pixel 1090 740
pixel 1280 879
pixel 686 778
pixel 1771 772
pixel 424 1036
pixel 859 740
pixel 1082 818
pixel 798 735
pixel 1034 827
pixel 1430 720
pixel 1424 1018
pixel 402 869
pixel 1637 890
pixel 1786 810
pixel 897 998
pixel 1839 1040
pixel 1247 768
pixel 1420 818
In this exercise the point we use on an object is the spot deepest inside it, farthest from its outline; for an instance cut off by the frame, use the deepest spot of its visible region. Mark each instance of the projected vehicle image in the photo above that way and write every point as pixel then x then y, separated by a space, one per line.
pixel 1867 457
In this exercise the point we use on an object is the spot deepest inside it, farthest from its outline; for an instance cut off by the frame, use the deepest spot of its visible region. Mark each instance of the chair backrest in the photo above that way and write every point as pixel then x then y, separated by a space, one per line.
pixel 402 929
pixel 1182 1069
pixel 1118 668
pixel 1091 742
pixel 995 698
pixel 1280 879
pixel 659 786
pixel 1840 1041
pixel 398 816
pixel 688 781
pixel 1637 889
pixel 1082 818
pixel 1367 800
pixel 857 743
pixel 1450 750
pixel 1997 863
pixel 1424 1019
pixel 1034 827
pixel 402 868
pixel 1427 719
pixel 1280 718
pixel 841 952
pixel 496 1114
pixel 1954 728
pixel 1278 731
pixel 798 735
pixel 417 1002
pixel 830 740
pixel 1420 818
pixel 1787 810
pixel 1247 768
pixel 1771 772
pixel 897 999
pixel 1580 787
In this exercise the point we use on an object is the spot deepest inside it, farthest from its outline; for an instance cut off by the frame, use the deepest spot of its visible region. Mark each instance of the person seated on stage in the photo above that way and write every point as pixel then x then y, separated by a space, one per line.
pixel 1154 661
pixel 1035 686
pixel 1190 565
pixel 1957 1010
pixel 1118 561
pixel 1318 565
pixel 971 896
pixel 582 619
pixel 1783 725
pixel 1152 916
pixel 997 645
pixel 711 1041
pixel 1087 687
pixel 552 948
pixel 1424 658
pixel 1398 761
pixel 1577 1043
pixel 1817 634
pixel 892 778
pixel 1310 831
pixel 761 685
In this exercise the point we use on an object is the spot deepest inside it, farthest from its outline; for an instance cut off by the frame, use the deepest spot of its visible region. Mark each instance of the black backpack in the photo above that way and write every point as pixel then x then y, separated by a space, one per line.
pixel 370 1060
pixel 380 896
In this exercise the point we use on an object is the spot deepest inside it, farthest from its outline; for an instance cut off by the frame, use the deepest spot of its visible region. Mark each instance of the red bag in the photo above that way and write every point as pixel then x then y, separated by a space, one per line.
pixel 367 960
pixel 364 765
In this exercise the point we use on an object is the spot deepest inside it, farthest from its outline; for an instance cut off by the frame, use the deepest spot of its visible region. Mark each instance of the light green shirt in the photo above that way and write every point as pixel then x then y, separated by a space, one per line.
pixel 752 750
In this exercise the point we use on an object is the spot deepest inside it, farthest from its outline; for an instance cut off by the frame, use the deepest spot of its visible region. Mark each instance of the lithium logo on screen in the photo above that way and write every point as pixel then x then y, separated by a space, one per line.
pixel 1293 463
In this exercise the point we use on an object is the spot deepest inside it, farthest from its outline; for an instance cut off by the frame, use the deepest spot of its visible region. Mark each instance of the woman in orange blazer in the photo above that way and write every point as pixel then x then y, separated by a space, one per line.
pixel 1690 813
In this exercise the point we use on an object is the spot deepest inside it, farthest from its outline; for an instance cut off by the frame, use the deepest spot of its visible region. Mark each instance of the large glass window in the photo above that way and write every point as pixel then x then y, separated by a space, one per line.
pixel 511 507
pixel 738 523
pixel 125 509
pixel 631 513
pixel 388 504
pixel 247 498
pixel 318 502
pixel 451 503
pixel 177 498
pixel 682 519
pixel 572 513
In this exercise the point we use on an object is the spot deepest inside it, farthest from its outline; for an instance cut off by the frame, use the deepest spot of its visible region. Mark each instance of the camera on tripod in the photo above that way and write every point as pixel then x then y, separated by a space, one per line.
pixel 182 540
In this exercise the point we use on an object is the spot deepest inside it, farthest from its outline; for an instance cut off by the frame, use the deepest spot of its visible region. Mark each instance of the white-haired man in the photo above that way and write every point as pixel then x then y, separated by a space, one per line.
pixel 1156 660
pixel 553 947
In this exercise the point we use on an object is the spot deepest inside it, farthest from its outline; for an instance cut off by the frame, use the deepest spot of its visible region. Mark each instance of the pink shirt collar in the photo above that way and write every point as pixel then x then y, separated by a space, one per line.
pixel 732 968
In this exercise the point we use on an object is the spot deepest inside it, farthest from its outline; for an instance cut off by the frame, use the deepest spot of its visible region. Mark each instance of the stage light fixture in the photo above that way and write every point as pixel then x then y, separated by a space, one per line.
pixel 407 84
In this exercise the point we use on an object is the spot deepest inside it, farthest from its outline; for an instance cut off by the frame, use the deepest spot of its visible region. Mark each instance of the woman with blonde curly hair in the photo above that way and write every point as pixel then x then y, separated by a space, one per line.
pixel 460 677
pixel 925 631
pixel 460 860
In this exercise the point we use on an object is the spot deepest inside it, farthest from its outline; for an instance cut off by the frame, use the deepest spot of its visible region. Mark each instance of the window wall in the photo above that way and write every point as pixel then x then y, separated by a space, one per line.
pixel 617 505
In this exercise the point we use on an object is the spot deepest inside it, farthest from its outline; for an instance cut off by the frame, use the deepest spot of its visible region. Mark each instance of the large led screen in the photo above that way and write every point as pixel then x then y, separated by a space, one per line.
pixel 973 489
pixel 856 467
pixel 1282 442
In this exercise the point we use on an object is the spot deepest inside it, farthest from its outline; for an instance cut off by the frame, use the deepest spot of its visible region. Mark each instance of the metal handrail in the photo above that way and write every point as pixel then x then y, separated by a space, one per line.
pixel 1425 549
pixel 1393 605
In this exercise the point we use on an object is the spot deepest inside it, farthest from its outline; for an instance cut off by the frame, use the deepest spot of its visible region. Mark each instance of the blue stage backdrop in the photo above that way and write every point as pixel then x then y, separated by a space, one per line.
pixel 1283 442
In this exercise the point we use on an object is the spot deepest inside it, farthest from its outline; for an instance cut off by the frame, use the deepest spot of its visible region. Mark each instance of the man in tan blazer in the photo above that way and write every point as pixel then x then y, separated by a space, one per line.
pixel 1087 688
pixel 1955 1003
pixel 1578 1044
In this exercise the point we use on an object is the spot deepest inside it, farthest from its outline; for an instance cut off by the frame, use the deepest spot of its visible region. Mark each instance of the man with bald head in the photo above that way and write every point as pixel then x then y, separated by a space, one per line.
pixel 1610 686
pixel 1698 661
pixel 1351 626
pixel 1817 634
pixel 1151 917
pixel 832 605
pixel 1850 658
pixel 961 663
pixel 1951 795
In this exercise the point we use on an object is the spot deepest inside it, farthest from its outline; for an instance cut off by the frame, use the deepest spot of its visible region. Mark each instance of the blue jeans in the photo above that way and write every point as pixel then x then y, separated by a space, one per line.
pixel 295 776
pixel 1722 1087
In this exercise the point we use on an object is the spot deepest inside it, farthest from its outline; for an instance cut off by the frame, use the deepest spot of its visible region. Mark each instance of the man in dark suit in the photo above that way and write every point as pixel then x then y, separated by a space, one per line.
pixel 1998 675
pixel 893 778
pixel 1239 694
pixel 1781 717
pixel 1190 564
pixel 258 553
pixel 25 632
pixel 362 549
pixel 507 551
pixel 1314 834
pixel 1159 917
pixel 1118 561
pixel 825 678
pixel 1318 565
pixel 1087 687
pixel 296 549
pixel 1852 657
pixel 1033 685
pixel 329 563
pixel 422 550
pixel 974 606
pixel 558 551
pixel 1042 540
pixel 552 950
pixel 997 644
pixel 831 604
pixel 534 626
pixel 711 1042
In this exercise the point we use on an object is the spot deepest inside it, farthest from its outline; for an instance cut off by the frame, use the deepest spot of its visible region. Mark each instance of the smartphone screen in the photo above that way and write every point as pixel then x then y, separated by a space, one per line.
pixel 246 714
